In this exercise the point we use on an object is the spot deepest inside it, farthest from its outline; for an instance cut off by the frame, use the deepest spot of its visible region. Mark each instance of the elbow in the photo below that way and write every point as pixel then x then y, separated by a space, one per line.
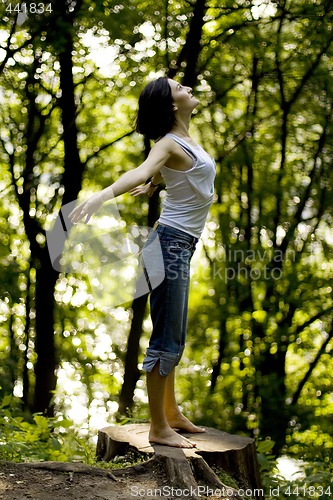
pixel 141 176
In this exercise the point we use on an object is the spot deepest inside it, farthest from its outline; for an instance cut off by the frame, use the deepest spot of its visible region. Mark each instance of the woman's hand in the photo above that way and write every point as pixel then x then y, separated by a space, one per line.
pixel 147 189
pixel 86 209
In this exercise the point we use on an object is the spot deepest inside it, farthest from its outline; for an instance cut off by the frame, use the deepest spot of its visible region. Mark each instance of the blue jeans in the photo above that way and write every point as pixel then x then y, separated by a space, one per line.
pixel 168 300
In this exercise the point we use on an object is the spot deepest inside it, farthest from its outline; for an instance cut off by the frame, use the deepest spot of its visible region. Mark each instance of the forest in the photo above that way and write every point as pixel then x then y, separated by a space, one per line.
pixel 72 332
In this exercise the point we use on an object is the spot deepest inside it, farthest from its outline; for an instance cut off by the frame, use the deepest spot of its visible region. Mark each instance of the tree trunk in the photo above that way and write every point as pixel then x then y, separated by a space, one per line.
pixel 192 47
pixel 187 468
pixel 132 373
pixel 73 167
pixel 45 366
pixel 46 276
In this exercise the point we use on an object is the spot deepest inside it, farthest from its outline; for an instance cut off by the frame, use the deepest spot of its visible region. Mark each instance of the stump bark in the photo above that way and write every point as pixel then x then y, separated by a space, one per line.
pixel 189 468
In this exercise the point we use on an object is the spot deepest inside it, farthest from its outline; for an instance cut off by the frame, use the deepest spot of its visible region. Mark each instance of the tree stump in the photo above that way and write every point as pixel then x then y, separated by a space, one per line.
pixel 189 468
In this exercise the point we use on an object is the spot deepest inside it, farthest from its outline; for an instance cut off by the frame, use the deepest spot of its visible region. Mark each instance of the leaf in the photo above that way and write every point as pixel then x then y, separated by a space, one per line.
pixel 55 444
pixel 6 400
pixel 66 423
pixel 41 421
pixel 265 446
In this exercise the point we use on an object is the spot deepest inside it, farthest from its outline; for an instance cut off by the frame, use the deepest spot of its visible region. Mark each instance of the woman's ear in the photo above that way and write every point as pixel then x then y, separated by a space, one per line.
pixel 174 107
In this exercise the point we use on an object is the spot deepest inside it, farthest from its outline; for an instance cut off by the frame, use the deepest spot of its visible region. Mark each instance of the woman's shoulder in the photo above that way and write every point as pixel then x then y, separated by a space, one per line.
pixel 165 142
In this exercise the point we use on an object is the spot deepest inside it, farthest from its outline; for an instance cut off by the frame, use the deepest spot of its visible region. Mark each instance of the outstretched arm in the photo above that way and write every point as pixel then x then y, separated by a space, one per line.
pixel 157 157
pixel 149 188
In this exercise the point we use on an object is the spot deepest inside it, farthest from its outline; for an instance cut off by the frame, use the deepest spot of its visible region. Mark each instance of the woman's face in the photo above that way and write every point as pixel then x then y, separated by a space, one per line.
pixel 182 96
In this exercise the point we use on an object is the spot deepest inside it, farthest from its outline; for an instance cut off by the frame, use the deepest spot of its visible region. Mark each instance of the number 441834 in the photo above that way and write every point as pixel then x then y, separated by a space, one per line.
pixel 30 8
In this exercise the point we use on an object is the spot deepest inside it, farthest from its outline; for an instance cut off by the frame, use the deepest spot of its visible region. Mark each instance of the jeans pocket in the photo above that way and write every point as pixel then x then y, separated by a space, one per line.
pixel 179 245
pixel 153 262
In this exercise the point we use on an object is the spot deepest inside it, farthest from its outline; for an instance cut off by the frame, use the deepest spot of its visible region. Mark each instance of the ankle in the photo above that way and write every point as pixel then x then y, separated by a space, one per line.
pixel 173 413
pixel 172 409
pixel 158 426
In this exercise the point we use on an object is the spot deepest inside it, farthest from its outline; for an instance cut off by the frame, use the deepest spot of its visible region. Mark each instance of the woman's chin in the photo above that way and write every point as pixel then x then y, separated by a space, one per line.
pixel 196 102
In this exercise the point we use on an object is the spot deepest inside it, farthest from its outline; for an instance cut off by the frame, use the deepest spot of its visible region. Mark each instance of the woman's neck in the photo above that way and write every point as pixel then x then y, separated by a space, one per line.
pixel 180 130
pixel 181 126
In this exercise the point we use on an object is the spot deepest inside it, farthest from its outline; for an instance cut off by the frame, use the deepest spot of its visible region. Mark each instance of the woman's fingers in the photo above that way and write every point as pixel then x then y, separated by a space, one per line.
pixel 77 214
pixel 138 190
pixel 74 216
pixel 145 189
pixel 85 209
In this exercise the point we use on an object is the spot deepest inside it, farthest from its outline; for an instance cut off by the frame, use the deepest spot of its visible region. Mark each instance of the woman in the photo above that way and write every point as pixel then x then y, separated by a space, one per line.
pixel 165 109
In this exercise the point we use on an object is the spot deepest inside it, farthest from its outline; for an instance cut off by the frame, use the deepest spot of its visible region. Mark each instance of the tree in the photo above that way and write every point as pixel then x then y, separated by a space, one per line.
pixel 273 201
pixel 44 82
pixel 261 310
pixel 188 55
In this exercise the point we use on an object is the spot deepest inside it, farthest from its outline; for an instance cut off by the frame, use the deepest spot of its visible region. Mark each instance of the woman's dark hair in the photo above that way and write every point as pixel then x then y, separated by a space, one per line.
pixel 155 116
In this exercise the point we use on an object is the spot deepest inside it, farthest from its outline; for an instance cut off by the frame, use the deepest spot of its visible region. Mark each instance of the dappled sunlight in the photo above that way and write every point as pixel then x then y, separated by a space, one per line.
pixel 290 468
pixel 107 253
pixel 72 397
pixel 258 356
pixel 263 9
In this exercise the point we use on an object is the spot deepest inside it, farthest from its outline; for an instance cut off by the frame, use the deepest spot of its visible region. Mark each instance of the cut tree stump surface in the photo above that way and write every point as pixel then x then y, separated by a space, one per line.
pixel 188 467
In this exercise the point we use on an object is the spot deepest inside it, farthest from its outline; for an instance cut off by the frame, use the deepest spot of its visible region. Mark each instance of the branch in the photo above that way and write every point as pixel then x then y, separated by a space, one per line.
pixel 105 146
pixel 11 161
pixel 312 366
pixel 310 72
pixel 71 468
pixel 319 315
pixel 9 52
pixel 191 49
pixel 44 26
pixel 304 198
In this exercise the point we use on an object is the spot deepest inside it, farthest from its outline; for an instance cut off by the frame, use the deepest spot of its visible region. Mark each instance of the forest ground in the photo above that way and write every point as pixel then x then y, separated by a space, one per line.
pixel 19 482
pixel 24 483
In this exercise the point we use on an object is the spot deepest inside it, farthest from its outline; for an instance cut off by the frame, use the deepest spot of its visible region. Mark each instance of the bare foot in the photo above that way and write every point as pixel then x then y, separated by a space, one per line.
pixel 169 437
pixel 178 421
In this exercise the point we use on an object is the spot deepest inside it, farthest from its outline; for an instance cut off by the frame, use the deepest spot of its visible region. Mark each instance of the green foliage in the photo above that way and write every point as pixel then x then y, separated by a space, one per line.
pixel 38 438
pixel 25 438
pixel 261 299
pixel 313 480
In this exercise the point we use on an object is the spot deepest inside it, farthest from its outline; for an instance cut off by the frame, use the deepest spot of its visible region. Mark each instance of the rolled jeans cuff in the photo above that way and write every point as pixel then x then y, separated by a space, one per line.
pixel 168 360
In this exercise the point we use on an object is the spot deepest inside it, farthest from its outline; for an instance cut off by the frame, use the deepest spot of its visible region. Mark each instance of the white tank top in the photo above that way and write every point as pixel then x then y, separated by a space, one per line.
pixel 189 192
